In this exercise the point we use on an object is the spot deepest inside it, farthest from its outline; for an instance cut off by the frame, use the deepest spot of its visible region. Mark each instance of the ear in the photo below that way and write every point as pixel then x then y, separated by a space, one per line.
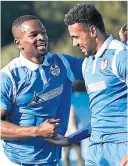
pixel 93 31
pixel 17 42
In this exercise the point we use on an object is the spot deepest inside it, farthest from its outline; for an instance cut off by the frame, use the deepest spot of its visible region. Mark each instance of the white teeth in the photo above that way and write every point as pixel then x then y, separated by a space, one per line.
pixel 40 44
pixel 41 47
pixel 83 50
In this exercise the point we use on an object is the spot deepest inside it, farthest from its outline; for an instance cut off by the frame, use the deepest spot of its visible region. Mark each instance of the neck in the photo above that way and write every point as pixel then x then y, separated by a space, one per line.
pixel 35 59
pixel 100 40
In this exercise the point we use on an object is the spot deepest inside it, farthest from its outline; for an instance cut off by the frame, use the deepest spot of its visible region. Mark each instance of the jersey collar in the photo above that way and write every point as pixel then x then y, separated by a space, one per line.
pixel 104 46
pixel 33 66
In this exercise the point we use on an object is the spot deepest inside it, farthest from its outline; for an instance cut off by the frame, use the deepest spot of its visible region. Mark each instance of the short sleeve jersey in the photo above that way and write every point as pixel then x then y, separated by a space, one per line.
pixel 106 79
pixel 32 93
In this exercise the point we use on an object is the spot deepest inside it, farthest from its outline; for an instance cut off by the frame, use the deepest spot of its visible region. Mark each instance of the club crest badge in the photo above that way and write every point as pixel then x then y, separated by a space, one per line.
pixel 55 70
pixel 104 64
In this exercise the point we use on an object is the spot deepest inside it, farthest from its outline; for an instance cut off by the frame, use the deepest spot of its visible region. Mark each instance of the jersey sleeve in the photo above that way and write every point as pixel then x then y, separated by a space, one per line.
pixel 6 92
pixel 83 133
pixel 120 65
pixel 75 65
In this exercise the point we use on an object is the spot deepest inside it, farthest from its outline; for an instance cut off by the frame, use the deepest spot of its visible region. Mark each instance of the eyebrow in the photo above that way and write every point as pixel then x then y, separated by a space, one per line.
pixel 33 32
pixel 73 36
pixel 36 31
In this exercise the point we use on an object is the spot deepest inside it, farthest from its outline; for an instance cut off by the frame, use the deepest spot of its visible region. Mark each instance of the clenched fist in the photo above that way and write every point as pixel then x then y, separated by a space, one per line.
pixel 48 128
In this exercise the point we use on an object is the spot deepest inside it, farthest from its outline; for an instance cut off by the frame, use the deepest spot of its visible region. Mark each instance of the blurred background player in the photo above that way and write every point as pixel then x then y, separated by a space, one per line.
pixel 123 33
pixel 73 127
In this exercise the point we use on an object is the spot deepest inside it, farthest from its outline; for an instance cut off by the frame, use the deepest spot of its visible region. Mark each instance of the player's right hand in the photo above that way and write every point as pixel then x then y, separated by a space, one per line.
pixel 48 128
pixel 58 140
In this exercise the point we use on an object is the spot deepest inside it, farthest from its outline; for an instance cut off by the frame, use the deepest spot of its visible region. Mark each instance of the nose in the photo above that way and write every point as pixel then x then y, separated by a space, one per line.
pixel 40 36
pixel 75 42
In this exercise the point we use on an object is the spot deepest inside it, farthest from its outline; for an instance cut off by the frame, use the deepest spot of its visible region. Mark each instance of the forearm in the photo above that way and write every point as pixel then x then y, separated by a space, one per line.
pixel 45 129
pixel 81 134
pixel 12 131
pixel 60 140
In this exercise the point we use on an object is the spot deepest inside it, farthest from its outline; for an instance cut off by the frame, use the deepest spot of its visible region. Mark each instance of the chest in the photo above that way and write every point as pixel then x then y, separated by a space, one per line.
pixel 98 74
pixel 44 84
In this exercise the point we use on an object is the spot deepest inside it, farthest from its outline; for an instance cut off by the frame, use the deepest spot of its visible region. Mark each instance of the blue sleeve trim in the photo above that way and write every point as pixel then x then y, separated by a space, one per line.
pixel 81 134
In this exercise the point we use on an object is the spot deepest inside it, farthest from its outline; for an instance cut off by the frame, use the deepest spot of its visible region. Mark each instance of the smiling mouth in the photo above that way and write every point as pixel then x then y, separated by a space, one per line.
pixel 41 45
pixel 83 49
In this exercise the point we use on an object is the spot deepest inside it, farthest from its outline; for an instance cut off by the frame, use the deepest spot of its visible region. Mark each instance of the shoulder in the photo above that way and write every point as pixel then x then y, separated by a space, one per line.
pixel 117 45
pixel 119 50
pixel 119 58
pixel 65 64
pixel 65 57
pixel 8 72
pixel 73 59
pixel 15 63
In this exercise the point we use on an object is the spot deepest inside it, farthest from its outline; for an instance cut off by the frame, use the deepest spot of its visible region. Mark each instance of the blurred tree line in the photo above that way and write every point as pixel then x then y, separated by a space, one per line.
pixel 51 13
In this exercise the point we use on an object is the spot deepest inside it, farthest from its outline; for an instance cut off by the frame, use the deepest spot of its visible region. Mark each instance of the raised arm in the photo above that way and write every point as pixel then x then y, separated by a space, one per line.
pixel 76 66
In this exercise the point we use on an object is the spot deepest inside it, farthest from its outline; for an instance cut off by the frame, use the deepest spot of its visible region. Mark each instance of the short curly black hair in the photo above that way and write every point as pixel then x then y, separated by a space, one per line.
pixel 124 27
pixel 17 23
pixel 85 13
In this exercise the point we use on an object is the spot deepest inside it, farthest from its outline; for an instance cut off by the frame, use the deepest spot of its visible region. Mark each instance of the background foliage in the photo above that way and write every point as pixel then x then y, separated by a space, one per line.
pixel 51 13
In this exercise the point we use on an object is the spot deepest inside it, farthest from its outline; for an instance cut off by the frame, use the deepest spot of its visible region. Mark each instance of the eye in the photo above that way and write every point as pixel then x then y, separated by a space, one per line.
pixel 75 37
pixel 43 33
pixel 33 35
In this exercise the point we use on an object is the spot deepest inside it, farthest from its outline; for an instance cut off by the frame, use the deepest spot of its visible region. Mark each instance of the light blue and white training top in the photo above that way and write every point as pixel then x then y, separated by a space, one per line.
pixel 32 93
pixel 106 78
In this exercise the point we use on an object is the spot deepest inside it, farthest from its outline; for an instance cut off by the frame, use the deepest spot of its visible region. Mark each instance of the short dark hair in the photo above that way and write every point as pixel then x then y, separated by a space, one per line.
pixel 124 27
pixel 17 23
pixel 85 13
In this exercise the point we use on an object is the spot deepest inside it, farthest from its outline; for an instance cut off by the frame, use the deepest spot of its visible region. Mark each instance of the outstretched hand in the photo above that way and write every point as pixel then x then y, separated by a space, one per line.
pixel 58 140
